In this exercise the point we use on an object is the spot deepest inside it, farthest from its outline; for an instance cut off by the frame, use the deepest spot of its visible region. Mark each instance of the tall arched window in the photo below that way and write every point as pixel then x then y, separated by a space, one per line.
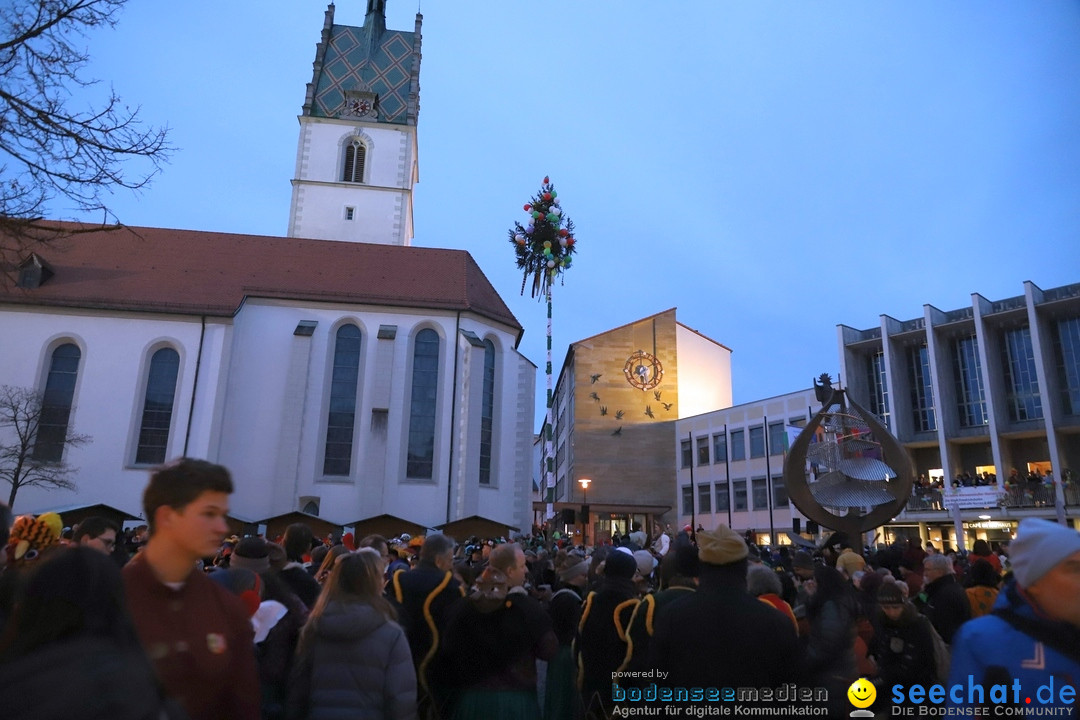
pixel 158 407
pixel 425 386
pixel 487 413
pixel 355 155
pixel 337 460
pixel 56 403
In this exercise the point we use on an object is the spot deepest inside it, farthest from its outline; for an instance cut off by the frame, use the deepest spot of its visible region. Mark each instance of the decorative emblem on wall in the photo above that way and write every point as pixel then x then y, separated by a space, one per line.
pixel 643 370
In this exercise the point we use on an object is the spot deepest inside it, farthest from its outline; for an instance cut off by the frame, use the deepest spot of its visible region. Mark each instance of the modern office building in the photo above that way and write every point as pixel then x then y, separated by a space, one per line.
pixel 730 466
pixel 988 395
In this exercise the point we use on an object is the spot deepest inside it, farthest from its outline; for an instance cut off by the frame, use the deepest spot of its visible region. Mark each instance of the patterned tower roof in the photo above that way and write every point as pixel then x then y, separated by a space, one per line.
pixel 368 59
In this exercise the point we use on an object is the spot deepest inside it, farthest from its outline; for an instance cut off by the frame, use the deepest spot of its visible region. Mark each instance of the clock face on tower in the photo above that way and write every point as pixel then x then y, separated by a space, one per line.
pixel 643 370
pixel 360 107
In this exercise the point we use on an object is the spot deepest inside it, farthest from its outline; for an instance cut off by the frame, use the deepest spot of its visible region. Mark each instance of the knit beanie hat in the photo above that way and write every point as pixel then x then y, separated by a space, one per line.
pixel 721 546
pixel 251 554
pixel 620 564
pixel 1039 546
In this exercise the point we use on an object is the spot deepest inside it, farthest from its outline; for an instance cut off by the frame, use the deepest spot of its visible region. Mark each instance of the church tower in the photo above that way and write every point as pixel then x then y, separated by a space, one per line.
pixel 356 160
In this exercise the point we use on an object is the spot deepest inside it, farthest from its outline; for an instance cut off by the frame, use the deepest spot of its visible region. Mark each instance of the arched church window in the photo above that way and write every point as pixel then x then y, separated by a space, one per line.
pixel 56 403
pixel 487 413
pixel 425 385
pixel 158 407
pixel 341 421
pixel 355 157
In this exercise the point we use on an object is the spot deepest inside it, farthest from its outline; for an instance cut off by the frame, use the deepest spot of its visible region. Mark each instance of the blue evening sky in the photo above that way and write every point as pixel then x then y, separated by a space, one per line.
pixel 771 169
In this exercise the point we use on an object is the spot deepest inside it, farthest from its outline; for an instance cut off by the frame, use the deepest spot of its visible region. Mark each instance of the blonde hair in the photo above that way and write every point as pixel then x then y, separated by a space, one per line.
pixel 328 562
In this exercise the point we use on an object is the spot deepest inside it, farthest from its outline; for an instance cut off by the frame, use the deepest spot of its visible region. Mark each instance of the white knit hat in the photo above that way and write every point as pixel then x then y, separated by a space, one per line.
pixel 1039 546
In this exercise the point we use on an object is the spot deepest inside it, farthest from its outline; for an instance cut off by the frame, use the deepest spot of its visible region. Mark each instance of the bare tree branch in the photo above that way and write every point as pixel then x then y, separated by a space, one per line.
pixel 50 150
pixel 21 412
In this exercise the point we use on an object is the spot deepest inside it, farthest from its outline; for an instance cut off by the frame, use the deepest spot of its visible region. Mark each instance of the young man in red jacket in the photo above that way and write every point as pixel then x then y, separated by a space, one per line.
pixel 197 633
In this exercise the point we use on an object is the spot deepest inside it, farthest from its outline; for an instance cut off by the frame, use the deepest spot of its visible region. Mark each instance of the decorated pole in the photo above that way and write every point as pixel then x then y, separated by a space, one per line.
pixel 543 247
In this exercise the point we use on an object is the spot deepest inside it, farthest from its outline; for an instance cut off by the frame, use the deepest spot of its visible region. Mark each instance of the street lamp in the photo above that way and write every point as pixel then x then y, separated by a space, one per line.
pixel 584 482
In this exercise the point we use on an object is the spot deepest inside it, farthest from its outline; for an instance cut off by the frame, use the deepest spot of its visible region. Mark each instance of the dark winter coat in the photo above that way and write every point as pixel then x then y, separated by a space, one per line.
pixel 302 584
pixel 946 606
pixel 353 664
pixel 424 620
pixel 643 624
pixel 87 678
pixel 721 634
pixel 905 650
pixel 600 647
pixel 493 650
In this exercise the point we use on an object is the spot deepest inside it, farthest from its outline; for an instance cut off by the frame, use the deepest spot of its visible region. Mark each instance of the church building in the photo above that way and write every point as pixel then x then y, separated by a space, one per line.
pixel 337 371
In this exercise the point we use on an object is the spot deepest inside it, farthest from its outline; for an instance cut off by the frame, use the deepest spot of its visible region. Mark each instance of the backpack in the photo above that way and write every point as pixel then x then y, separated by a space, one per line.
pixel 942 655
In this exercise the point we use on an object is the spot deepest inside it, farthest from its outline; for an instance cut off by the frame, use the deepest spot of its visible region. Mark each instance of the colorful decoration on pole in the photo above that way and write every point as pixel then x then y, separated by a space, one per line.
pixel 545 244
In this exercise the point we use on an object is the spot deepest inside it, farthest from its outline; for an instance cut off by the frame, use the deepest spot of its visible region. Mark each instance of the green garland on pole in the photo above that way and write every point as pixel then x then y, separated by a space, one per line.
pixel 545 244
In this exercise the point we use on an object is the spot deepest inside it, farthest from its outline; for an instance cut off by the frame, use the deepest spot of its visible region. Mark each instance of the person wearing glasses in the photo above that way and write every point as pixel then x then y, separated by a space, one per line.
pixel 98 533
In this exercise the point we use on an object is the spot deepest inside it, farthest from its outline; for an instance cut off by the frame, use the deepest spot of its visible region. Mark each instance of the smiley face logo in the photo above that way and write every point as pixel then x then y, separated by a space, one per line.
pixel 862 693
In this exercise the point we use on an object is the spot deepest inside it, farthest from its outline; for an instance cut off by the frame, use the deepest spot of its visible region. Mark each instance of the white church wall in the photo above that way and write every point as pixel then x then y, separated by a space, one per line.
pixel 109 394
pixel 261 401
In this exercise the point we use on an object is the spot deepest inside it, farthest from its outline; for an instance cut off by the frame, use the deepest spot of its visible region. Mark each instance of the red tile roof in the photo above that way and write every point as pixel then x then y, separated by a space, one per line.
pixel 207 273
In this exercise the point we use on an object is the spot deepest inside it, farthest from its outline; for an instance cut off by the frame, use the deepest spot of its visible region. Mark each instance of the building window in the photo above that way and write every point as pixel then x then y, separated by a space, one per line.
pixel 779 492
pixel 922 390
pixel 777 439
pixel 1067 349
pixel 967 372
pixel 704 499
pixel 350 212
pixel 739 490
pixel 723 502
pixel 761 494
pixel 56 403
pixel 738 445
pixel 355 156
pixel 487 414
pixel 757 442
pixel 719 448
pixel 878 383
pixel 1021 383
pixel 341 420
pixel 703 450
pixel 687 500
pixel 425 385
pixel 311 508
pixel 158 407
pixel 687 453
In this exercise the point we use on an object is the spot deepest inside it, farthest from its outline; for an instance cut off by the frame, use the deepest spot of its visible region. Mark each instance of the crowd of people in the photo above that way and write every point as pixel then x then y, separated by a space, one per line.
pixel 178 621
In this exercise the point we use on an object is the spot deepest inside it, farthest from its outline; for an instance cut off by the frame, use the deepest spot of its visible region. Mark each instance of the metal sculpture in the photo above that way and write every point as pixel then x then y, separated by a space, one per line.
pixel 845 470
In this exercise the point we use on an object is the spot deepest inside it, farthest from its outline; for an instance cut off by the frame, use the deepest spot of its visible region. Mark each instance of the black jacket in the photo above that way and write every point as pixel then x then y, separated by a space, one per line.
pixel 946 606
pixel 87 678
pixel 409 591
pixel 904 650
pixel 721 634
